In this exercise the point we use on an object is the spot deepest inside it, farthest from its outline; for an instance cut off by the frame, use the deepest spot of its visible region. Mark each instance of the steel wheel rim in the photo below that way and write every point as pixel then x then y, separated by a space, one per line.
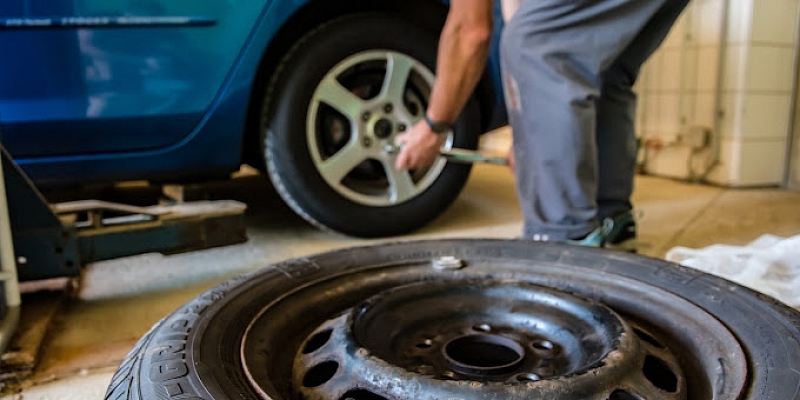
pixel 642 306
pixel 358 163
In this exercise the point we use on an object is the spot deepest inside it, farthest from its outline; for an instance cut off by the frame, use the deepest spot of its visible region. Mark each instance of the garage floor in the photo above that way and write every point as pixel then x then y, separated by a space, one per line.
pixel 117 301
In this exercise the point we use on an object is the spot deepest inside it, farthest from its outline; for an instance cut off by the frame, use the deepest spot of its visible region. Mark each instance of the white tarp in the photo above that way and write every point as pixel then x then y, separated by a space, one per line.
pixel 769 264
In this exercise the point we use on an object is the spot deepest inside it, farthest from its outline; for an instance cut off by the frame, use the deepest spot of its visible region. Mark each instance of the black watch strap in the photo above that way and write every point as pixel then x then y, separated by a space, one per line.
pixel 438 127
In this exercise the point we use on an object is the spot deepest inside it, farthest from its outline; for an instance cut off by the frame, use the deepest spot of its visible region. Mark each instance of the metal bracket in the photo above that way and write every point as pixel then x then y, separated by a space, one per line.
pixel 55 241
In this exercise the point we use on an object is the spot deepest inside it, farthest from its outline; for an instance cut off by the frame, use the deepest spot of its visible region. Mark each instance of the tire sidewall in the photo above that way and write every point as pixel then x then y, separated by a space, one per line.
pixel 287 154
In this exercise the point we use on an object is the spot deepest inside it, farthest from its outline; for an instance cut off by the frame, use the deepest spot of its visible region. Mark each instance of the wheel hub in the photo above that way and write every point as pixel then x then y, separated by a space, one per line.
pixel 482 355
pixel 479 340
pixel 383 128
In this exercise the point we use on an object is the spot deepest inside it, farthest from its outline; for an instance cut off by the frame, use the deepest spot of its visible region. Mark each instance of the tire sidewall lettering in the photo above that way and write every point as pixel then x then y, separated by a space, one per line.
pixel 169 369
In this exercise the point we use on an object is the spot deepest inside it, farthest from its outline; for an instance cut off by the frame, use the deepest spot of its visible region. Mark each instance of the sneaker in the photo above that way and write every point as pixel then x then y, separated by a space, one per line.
pixel 595 238
pixel 619 232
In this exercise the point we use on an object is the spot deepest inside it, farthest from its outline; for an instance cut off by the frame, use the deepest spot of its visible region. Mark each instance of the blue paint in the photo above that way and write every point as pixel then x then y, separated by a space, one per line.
pixel 95 90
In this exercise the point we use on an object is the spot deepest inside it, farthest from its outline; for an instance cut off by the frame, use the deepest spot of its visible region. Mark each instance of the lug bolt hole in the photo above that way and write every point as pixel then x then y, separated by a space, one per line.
pixel 320 373
pixel 388 108
pixel 623 395
pixel 317 341
pixel 425 344
pixel 660 375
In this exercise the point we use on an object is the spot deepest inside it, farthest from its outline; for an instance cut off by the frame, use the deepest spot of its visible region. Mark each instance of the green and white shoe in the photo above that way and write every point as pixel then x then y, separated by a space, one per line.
pixel 619 232
pixel 595 238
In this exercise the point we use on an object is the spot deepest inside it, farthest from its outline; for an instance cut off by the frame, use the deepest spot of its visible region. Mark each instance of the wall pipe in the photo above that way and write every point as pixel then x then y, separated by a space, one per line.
pixel 716 134
pixel 793 124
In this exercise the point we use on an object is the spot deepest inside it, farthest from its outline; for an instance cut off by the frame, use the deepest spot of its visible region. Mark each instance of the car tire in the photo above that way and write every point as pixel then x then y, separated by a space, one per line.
pixel 306 128
pixel 242 339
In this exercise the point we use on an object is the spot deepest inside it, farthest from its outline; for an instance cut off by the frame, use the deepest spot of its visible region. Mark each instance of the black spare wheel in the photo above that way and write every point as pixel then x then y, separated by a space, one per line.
pixel 470 319
pixel 331 115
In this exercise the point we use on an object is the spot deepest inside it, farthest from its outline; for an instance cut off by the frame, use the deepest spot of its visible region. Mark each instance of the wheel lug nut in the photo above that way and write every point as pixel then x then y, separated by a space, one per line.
pixel 388 108
pixel 366 116
pixel 367 142
pixel 401 127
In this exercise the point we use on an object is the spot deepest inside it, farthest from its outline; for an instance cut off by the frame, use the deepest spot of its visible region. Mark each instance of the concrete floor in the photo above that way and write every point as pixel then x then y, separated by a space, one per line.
pixel 117 301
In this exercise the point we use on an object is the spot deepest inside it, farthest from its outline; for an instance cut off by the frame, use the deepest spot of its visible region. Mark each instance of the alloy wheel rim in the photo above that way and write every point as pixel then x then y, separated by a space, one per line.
pixel 355 113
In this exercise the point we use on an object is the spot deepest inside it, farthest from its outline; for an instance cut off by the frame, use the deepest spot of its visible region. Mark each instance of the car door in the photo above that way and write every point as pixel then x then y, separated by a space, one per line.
pixel 83 77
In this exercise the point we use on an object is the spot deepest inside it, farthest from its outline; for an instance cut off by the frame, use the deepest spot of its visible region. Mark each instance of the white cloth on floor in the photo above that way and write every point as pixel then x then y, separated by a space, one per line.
pixel 769 264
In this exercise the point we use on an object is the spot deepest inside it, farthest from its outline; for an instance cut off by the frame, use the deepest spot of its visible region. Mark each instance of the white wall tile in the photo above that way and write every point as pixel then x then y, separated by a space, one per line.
pixel 676 38
pixel 643 82
pixel 642 98
pixel 688 109
pixel 671 70
pixel 673 162
pixel 766 116
pixel 707 22
pixel 775 22
pixel 668 119
pixel 735 67
pixel 690 67
pixel 762 163
pixel 668 162
pixel 654 71
pixel 731 115
pixel 726 172
pixel 770 69
pixel 705 112
pixel 651 107
pixel 707 68
pixel 754 108
pixel 641 104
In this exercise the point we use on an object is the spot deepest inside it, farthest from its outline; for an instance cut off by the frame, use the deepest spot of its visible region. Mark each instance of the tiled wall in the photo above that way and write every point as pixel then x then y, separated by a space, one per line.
pixel 747 111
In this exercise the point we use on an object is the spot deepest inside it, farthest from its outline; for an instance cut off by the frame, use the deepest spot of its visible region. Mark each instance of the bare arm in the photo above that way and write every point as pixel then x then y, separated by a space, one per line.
pixel 463 49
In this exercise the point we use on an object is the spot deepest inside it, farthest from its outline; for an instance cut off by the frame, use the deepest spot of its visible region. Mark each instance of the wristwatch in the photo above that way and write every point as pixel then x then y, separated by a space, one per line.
pixel 438 127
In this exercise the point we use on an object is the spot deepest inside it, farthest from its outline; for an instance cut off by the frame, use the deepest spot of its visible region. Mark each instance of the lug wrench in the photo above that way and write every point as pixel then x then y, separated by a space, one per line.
pixel 471 157
pixel 462 156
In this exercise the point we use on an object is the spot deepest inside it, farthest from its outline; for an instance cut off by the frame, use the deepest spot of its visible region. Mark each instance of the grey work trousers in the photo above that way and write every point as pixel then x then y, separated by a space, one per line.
pixel 569 67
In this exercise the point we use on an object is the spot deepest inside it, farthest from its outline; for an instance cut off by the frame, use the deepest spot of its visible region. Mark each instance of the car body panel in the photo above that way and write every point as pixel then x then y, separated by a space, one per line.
pixel 115 76
pixel 104 90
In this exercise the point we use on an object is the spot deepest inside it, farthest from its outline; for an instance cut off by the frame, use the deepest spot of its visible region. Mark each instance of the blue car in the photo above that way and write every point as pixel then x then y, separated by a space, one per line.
pixel 310 92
